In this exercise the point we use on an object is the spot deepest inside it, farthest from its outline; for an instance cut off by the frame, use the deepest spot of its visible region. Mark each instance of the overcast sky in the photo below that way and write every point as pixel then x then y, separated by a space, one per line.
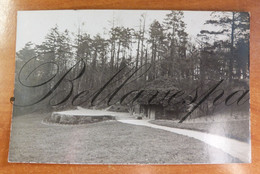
pixel 34 25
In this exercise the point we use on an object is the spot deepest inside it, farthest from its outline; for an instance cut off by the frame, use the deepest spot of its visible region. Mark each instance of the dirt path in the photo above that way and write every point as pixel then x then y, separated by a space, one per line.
pixel 240 150
pixel 108 142
pixel 233 147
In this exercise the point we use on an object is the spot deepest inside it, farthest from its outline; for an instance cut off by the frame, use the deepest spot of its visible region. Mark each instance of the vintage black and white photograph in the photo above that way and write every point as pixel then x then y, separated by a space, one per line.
pixel 131 87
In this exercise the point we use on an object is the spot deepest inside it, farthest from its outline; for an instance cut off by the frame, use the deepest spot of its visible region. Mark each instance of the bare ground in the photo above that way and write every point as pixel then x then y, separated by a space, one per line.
pixel 105 142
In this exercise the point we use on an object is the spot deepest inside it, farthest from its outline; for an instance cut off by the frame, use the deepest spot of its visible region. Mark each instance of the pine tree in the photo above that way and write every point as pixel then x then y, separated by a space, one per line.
pixel 232 27
pixel 177 38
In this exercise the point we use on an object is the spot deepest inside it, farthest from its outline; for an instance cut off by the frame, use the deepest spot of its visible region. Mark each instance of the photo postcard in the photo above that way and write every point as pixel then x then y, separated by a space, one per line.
pixel 131 87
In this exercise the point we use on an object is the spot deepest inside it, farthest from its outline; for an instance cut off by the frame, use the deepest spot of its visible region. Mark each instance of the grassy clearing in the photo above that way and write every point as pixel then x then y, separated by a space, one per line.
pixel 105 142
pixel 236 129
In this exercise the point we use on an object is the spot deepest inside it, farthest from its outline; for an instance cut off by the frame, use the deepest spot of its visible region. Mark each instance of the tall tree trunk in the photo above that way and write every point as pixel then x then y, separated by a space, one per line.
pixel 142 46
pixel 231 59
pixel 94 64
pixel 137 53
pixel 118 54
pixel 146 61
pixel 112 57
pixel 171 69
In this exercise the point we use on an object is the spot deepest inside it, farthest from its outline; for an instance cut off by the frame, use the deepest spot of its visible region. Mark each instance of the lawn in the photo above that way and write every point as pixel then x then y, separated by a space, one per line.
pixel 105 142
pixel 236 129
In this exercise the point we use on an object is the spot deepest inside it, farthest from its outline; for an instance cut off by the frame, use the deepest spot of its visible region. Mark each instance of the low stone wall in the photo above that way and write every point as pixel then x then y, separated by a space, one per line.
pixel 76 119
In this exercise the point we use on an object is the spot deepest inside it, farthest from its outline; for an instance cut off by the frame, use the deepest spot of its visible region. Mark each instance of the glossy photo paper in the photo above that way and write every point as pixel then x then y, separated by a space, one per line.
pixel 131 87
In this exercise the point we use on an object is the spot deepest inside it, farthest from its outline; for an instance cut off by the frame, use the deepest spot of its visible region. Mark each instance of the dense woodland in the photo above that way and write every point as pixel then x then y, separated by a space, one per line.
pixel 162 55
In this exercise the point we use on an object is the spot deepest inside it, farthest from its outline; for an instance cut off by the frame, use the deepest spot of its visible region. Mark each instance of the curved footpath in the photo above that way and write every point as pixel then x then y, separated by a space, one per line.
pixel 235 148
